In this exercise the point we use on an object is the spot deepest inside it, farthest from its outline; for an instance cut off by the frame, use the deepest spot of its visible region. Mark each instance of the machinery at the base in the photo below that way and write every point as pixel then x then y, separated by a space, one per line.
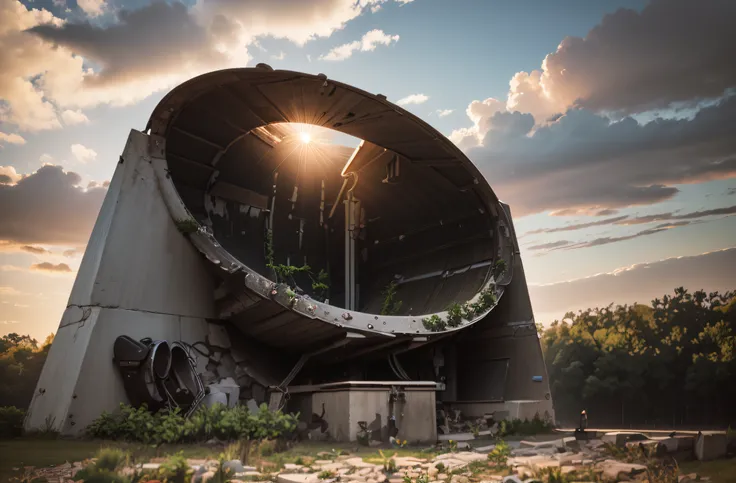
pixel 158 374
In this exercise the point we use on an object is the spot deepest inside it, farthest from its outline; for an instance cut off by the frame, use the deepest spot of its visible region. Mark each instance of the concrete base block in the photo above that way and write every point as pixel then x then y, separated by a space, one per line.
pixel 710 446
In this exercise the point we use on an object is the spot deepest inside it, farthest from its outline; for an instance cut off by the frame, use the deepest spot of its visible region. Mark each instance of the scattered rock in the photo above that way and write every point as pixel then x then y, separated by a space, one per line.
pixel 226 367
pixel 234 465
pixel 297 478
pixel 218 337
pixel 616 470
pixel 238 355
pixel 204 477
pixel 252 405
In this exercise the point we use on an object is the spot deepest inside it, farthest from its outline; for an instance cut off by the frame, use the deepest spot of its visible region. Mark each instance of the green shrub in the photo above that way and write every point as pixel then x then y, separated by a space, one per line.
pixel 175 469
pixel 500 455
pixel 111 459
pixel 105 470
pixel 218 421
pixel 11 422
pixel 524 428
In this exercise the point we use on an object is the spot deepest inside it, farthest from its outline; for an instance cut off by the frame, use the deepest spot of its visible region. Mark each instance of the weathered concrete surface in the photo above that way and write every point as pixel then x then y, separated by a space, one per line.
pixel 162 292
pixel 345 407
pixel 710 445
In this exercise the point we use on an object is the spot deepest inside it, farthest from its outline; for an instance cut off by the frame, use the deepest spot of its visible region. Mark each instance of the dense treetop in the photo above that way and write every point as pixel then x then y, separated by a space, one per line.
pixel 672 363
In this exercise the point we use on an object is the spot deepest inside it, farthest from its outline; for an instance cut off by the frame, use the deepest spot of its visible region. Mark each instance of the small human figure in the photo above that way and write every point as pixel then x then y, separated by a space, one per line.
pixel 583 420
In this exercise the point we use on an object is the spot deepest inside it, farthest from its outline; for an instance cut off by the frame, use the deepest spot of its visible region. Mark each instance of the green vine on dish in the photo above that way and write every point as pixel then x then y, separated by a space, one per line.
pixel 499 268
pixel 434 323
pixel 391 305
pixel 187 226
pixel 320 285
pixel 285 273
pixel 456 312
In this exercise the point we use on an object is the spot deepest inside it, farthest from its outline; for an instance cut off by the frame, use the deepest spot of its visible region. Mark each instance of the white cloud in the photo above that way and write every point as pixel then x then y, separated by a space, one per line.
pixel 367 43
pixel 83 154
pixel 281 56
pixel 11 138
pixel 71 117
pixel 50 66
pixel 631 62
pixel 413 99
pixel 93 8
pixel 8 175
pixel 444 112
pixel 46 158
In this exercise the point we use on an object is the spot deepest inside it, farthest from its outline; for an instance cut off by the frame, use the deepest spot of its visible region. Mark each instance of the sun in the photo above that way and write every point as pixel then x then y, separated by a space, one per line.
pixel 305 137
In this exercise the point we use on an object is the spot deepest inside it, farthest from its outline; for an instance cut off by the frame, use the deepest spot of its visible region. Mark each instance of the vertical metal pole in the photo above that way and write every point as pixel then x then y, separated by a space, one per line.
pixel 349 252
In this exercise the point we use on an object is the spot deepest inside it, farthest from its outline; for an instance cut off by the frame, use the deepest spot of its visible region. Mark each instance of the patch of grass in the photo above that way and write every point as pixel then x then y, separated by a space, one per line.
pixel 175 469
pixel 721 471
pixel 477 467
pixel 17 453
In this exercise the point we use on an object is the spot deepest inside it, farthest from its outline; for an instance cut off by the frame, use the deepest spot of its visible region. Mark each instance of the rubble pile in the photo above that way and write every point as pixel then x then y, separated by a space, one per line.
pixel 528 462
pixel 226 370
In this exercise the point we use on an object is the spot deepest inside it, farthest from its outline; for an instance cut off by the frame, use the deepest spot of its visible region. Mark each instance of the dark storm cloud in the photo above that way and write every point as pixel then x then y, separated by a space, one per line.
pixel 34 250
pixel 638 283
pixel 578 226
pixel 584 161
pixel 50 267
pixel 157 38
pixel 49 207
pixel 673 51
pixel 547 246
pixel 639 220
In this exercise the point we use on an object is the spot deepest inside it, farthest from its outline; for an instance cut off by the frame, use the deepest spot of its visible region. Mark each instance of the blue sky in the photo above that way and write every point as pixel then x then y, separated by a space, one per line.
pixel 461 54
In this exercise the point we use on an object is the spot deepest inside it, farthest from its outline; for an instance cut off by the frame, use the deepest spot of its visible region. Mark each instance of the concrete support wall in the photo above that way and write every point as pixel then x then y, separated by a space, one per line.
pixel 508 333
pixel 415 418
pixel 139 277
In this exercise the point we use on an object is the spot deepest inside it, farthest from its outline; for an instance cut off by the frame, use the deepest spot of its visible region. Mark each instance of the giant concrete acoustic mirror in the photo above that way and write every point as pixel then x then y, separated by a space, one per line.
pixel 380 259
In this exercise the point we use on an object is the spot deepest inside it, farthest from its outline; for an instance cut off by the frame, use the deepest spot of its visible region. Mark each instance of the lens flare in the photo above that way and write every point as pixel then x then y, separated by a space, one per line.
pixel 305 137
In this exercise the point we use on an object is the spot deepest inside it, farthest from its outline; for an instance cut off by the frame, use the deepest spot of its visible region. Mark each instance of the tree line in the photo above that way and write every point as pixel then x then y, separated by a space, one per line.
pixel 670 364
pixel 21 361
